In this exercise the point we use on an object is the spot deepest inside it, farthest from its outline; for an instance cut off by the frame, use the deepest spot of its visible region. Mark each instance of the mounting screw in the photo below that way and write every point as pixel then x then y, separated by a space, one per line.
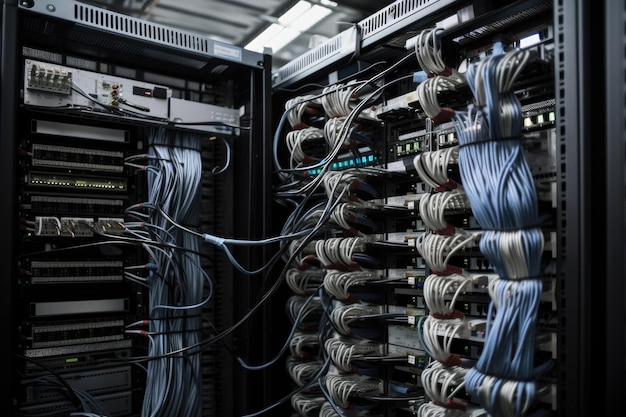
pixel 51 8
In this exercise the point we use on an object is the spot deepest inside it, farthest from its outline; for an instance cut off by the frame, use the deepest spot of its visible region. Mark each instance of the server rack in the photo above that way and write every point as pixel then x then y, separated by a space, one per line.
pixel 381 40
pixel 69 70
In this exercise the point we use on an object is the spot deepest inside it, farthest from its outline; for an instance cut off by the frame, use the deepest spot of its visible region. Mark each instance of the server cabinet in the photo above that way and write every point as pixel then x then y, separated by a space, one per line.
pixel 402 123
pixel 129 150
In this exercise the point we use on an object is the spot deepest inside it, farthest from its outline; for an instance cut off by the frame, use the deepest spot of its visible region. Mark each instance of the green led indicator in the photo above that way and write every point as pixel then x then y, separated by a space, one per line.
pixel 71 360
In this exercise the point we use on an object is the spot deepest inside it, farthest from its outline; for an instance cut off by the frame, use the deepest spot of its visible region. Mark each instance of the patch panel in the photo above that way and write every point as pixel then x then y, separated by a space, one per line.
pixel 78 360
pixel 94 382
pixel 75 227
pixel 54 204
pixel 49 272
pixel 73 350
pixel 54 156
pixel 72 333
pixel 76 182
pixel 117 404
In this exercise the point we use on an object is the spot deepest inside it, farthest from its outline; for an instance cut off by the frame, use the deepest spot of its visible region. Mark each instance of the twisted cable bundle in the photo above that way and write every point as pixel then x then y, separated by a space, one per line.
pixel 501 189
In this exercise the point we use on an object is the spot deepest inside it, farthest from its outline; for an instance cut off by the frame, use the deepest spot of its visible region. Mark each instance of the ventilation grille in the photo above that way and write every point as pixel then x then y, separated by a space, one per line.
pixel 525 15
pixel 318 54
pixel 138 28
pixel 390 15
pixel 343 44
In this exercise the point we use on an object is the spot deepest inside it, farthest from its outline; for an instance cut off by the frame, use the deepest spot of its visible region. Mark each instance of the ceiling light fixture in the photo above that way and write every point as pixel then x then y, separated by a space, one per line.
pixel 299 18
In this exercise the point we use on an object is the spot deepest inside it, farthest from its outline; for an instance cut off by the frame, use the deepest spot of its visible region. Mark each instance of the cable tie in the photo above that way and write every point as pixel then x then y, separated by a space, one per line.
pixel 452 405
pixel 446 72
pixel 506 378
pixel 306 262
pixel 342 267
pixel 444 115
pixel 523 278
pixel 449 230
pixel 450 269
pixel 455 314
pixel 542 219
pixel 351 232
pixel 217 241
pixel 299 126
pixel 450 184
pixel 480 142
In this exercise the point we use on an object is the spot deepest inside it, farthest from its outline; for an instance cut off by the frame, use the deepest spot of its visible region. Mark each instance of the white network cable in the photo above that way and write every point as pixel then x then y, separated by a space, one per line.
pixel 296 138
pixel 433 206
pixel 307 405
pixel 297 106
pixel 441 292
pixel 343 315
pixel 343 387
pixel 302 282
pixel 343 350
pixel 438 249
pixel 338 250
pixel 338 283
pixel 301 308
pixel 303 371
pixel 432 166
pixel 339 99
pixel 303 343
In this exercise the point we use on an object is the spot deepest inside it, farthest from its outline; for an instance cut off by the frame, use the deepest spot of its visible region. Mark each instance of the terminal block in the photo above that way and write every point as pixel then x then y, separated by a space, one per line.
pixel 49 78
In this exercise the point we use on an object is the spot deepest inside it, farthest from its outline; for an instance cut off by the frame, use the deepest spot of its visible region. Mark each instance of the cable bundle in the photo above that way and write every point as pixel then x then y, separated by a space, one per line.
pixel 303 282
pixel 342 350
pixel 437 330
pixel 432 166
pixel 440 76
pixel 295 140
pixel 343 389
pixel 501 189
pixel 176 283
pixel 340 99
pixel 432 208
pixel 296 108
pixel 307 405
pixel 339 283
pixel 345 314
